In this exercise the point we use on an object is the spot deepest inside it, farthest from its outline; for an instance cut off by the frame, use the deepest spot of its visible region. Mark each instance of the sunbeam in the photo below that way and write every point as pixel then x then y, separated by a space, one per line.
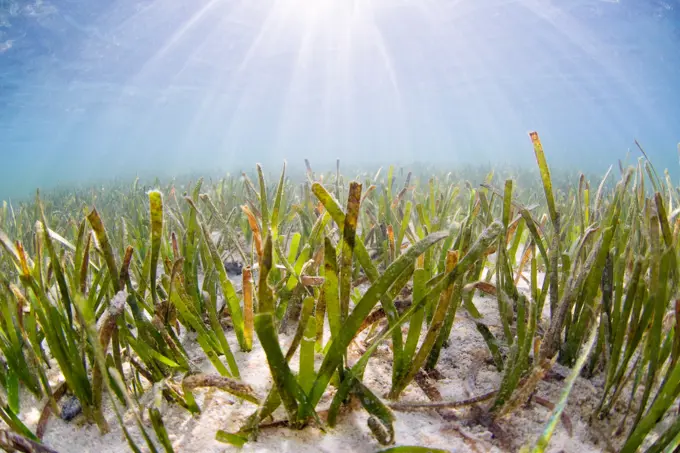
pixel 219 79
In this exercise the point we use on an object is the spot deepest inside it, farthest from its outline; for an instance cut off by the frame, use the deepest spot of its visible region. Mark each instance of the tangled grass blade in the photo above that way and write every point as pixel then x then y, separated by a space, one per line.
pixel 543 441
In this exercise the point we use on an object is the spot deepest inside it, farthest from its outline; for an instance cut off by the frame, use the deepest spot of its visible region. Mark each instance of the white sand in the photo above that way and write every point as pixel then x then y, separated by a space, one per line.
pixel 466 356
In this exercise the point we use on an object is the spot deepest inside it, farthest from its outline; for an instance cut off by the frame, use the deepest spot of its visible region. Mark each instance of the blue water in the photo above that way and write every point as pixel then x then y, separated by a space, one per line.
pixel 99 89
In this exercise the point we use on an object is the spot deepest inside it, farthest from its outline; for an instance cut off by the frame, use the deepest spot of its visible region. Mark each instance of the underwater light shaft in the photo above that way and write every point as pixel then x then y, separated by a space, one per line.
pixel 102 90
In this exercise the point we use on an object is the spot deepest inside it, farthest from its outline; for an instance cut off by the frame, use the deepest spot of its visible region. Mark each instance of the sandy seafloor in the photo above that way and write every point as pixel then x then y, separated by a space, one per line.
pixel 466 370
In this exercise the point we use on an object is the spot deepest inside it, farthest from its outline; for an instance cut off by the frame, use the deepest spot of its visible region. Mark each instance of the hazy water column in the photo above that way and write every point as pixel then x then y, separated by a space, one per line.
pixel 91 90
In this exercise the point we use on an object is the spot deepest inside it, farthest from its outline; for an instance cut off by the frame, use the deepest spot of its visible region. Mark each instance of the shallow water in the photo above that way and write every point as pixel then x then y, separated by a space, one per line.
pixel 99 90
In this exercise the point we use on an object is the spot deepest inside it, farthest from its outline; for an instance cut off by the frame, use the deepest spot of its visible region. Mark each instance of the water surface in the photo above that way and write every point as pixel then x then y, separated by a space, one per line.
pixel 100 89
